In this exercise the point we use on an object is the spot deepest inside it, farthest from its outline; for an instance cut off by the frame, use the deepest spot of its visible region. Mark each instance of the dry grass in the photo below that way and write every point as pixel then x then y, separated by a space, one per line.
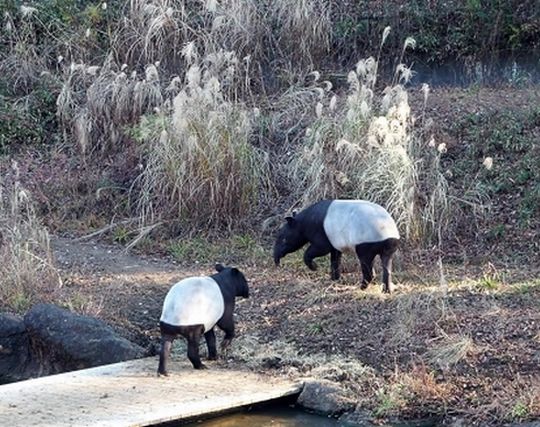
pixel 415 310
pixel 22 63
pixel 419 386
pixel 162 30
pixel 450 350
pixel 304 29
pixel 278 354
pixel 152 31
pixel 201 62
pixel 87 305
pixel 26 262
pixel 100 103
pixel 201 168
pixel 369 146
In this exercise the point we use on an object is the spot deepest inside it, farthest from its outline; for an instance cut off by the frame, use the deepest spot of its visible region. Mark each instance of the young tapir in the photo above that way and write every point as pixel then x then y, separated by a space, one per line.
pixel 333 226
pixel 194 306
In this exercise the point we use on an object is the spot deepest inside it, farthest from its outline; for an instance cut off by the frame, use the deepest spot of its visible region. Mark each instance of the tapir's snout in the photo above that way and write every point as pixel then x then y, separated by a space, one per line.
pixel 277 258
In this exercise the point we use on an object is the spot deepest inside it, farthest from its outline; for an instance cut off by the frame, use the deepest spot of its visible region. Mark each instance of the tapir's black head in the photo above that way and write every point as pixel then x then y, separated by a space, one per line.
pixel 289 239
pixel 236 279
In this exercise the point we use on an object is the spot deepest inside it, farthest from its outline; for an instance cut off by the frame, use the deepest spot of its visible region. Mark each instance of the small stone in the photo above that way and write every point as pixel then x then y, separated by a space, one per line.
pixel 325 397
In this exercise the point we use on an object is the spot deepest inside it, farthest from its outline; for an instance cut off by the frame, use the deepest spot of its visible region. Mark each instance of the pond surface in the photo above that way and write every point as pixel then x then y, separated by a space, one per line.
pixel 515 70
pixel 280 416
pixel 269 417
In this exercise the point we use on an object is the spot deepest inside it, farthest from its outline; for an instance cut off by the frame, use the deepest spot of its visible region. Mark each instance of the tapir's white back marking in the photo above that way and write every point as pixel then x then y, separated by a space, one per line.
pixel 350 222
pixel 194 301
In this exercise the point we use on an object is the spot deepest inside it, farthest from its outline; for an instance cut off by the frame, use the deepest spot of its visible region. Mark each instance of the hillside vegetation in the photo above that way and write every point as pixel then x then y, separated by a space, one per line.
pixel 213 115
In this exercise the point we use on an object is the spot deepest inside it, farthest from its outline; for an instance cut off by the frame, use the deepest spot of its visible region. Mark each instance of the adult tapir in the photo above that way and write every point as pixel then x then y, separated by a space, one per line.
pixel 333 226
pixel 193 306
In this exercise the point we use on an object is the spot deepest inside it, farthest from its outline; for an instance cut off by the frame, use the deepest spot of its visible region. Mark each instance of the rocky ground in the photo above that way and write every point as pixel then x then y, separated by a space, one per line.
pixel 466 344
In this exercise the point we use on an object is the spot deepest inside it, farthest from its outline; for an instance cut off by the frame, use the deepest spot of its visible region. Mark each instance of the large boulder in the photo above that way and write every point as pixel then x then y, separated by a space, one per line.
pixel 15 358
pixel 325 397
pixel 64 341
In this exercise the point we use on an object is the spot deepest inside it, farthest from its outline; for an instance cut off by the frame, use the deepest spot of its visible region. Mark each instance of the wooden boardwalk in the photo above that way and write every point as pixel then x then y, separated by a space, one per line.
pixel 130 394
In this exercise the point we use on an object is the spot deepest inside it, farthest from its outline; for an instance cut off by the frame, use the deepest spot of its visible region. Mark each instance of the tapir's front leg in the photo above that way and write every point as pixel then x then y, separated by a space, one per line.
pixel 313 252
pixel 226 324
pixel 210 337
pixel 335 258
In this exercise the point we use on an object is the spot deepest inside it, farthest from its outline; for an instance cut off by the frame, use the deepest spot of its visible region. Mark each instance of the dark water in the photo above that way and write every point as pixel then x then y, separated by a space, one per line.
pixel 286 416
pixel 275 417
pixel 512 70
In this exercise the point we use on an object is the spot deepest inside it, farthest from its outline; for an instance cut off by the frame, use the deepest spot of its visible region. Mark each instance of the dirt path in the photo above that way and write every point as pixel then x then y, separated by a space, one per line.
pixel 472 352
pixel 99 259
pixel 123 289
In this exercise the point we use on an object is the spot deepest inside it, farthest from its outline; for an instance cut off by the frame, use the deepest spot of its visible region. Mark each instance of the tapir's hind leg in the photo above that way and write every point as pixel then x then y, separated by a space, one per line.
pixel 335 258
pixel 164 354
pixel 367 270
pixel 387 272
pixel 193 335
pixel 366 255
pixel 387 253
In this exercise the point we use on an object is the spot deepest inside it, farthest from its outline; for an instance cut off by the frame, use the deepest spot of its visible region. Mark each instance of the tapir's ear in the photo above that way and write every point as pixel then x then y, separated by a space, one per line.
pixel 235 271
pixel 219 267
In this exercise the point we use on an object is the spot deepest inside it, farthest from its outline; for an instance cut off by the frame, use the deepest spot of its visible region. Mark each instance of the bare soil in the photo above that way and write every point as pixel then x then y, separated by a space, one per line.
pixel 409 339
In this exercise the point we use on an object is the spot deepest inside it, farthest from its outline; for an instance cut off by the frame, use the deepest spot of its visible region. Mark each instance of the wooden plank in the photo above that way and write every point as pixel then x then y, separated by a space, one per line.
pixel 130 394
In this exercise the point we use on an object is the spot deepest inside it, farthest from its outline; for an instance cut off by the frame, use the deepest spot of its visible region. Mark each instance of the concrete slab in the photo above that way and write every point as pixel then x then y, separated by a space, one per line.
pixel 130 394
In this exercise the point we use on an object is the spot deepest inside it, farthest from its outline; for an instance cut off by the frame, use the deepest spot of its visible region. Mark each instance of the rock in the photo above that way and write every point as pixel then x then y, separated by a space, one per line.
pixel 14 349
pixel 272 362
pixel 325 397
pixel 63 341
pixel 358 417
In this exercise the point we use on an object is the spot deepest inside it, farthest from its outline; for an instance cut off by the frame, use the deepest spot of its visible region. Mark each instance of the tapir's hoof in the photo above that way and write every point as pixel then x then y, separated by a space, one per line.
pixel 312 266
pixel 212 357
pixel 363 286
pixel 163 374
pixel 202 366
pixel 389 289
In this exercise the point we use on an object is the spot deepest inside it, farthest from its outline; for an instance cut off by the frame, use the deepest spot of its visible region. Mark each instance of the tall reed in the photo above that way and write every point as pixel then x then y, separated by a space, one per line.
pixel 369 146
pixel 201 169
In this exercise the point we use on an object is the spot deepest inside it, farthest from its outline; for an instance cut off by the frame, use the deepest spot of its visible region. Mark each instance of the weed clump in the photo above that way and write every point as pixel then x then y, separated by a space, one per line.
pixel 201 169
pixel 26 261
